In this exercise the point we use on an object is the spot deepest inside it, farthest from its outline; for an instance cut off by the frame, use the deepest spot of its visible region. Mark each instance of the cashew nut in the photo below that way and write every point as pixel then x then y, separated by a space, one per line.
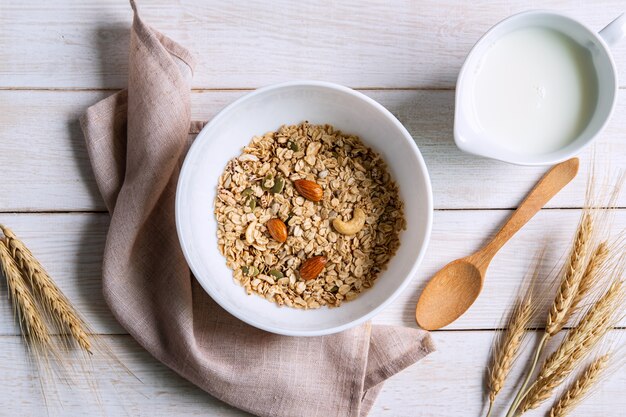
pixel 250 233
pixel 353 226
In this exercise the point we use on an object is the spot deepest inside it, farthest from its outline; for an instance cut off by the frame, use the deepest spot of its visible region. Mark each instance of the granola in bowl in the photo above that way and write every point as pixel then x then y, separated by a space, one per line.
pixel 307 216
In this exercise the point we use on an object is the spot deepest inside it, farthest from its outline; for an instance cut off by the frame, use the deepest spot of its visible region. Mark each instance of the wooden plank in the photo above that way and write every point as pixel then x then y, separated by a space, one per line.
pixel 102 388
pixel 70 246
pixel 84 44
pixel 449 382
pixel 45 165
pixel 42 152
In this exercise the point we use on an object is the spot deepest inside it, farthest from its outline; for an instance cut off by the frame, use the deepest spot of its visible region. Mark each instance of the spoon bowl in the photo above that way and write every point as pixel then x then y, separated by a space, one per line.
pixel 449 294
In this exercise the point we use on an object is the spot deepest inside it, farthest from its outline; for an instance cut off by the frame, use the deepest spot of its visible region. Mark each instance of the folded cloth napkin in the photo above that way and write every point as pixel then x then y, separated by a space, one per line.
pixel 136 141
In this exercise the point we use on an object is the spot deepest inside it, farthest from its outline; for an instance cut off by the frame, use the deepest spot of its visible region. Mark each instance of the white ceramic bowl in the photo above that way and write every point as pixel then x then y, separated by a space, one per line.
pixel 266 110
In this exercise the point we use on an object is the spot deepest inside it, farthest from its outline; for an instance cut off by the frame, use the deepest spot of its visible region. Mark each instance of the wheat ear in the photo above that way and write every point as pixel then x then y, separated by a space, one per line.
pixel 30 318
pixel 561 310
pixel 53 299
pixel 597 321
pixel 581 387
pixel 578 343
pixel 508 345
pixel 594 266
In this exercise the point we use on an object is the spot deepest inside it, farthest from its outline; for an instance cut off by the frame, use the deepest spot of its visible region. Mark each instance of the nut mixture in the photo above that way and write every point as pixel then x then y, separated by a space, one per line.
pixel 307 216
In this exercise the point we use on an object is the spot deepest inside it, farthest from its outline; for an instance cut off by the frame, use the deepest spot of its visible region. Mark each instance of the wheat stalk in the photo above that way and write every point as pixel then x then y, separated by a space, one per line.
pixel 578 343
pixel 561 307
pixel 582 275
pixel 581 387
pixel 36 298
pixel 508 346
pixel 31 321
pixel 56 303
pixel 509 342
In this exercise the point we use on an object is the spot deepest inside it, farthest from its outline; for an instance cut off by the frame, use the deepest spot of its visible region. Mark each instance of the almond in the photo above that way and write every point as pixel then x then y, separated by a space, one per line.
pixel 312 267
pixel 309 189
pixel 277 229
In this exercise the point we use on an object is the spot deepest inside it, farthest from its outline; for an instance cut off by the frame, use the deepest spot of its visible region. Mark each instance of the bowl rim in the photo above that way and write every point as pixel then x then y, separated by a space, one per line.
pixel 421 164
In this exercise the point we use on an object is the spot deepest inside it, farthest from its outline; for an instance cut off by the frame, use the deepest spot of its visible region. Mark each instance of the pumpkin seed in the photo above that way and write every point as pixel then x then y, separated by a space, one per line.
pixel 293 146
pixel 276 274
pixel 279 184
pixel 268 177
pixel 251 202
pixel 250 271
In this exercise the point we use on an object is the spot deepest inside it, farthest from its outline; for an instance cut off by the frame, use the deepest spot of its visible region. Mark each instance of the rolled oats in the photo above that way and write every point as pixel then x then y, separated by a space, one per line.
pixel 258 186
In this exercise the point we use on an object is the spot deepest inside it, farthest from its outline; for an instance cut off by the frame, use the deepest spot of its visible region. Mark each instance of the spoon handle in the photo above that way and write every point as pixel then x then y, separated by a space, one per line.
pixel 551 183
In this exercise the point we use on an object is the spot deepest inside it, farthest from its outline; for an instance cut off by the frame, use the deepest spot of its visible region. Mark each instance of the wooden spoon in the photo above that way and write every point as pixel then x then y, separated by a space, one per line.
pixel 456 286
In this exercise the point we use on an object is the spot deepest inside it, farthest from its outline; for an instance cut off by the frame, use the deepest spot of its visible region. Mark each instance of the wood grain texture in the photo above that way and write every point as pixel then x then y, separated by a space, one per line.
pixel 45 165
pixel 449 382
pixel 247 44
pixel 406 54
pixel 70 246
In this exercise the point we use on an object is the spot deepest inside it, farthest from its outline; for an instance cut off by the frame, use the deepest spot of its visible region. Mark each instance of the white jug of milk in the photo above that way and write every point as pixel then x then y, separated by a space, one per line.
pixel 536 88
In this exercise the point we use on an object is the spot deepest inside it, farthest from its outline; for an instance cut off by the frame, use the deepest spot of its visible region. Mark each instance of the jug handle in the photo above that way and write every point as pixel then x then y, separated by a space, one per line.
pixel 614 31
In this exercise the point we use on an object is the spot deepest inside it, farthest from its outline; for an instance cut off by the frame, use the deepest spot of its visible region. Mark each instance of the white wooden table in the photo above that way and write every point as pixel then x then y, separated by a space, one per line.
pixel 57 58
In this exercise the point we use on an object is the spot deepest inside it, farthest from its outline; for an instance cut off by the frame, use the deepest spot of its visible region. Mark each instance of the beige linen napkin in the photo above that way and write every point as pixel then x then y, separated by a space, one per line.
pixel 136 140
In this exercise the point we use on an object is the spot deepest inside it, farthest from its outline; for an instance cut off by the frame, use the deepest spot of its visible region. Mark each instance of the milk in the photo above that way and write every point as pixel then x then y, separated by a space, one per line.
pixel 535 91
